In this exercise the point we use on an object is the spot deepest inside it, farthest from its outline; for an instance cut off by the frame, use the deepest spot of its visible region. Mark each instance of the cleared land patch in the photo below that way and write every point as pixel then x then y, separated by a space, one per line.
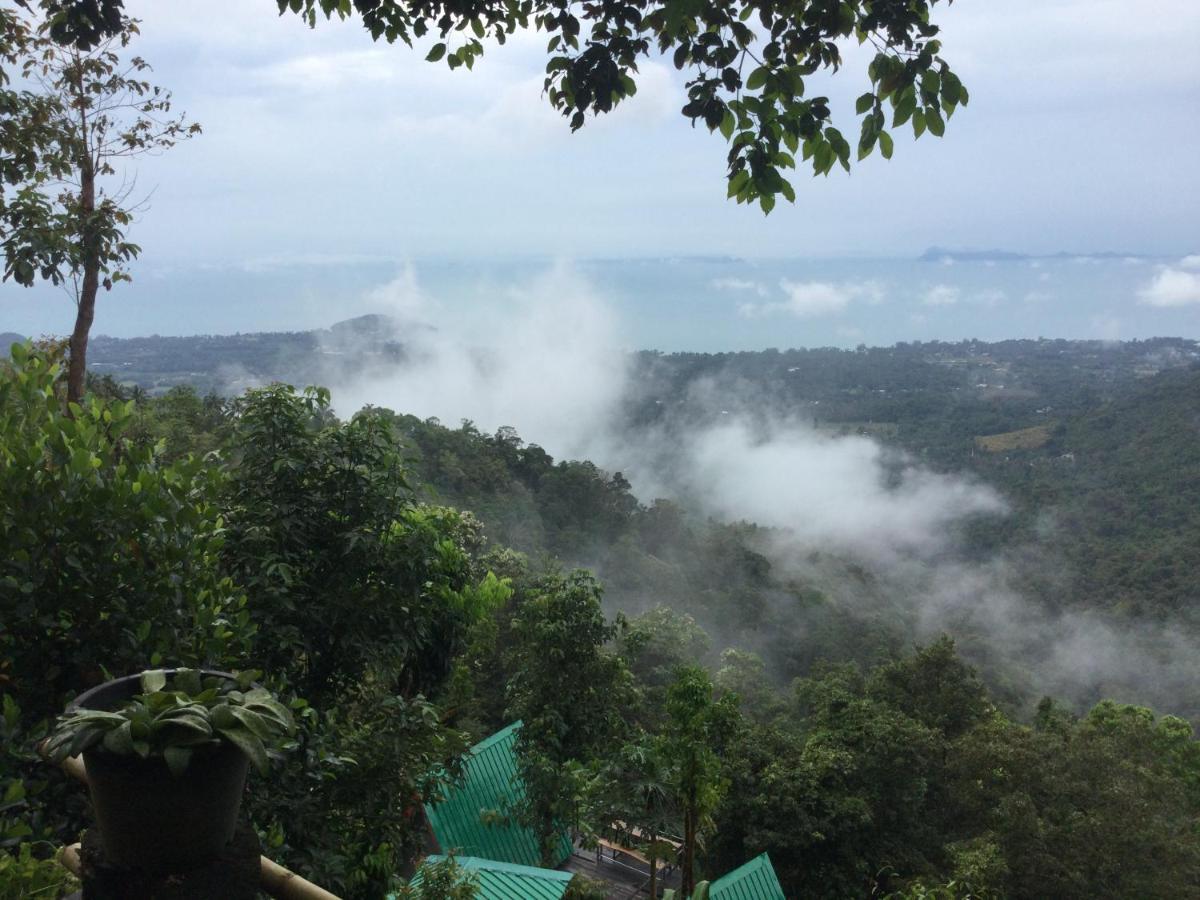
pixel 1021 439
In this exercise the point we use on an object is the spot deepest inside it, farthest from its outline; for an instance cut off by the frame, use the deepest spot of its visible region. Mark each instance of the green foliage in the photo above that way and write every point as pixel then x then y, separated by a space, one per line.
pixel 441 880
pixel 24 876
pixel 321 517
pixel 323 526
pixel 93 109
pixel 695 726
pixel 109 562
pixel 109 557
pixel 583 888
pixel 568 722
pixel 899 777
pixel 175 722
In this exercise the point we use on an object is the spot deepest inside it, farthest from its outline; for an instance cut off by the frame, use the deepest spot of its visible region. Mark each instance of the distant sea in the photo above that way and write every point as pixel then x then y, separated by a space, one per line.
pixel 695 303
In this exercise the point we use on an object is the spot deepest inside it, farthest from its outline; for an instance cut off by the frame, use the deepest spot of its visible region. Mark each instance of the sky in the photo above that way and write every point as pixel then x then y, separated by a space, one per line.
pixel 329 163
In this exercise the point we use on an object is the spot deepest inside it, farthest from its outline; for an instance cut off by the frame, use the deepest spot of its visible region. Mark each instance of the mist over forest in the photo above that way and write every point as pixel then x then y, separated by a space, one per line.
pixel 890 494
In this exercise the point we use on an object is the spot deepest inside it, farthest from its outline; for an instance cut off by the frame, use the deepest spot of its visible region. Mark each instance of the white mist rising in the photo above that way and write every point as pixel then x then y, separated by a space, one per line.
pixel 547 361
pixel 544 360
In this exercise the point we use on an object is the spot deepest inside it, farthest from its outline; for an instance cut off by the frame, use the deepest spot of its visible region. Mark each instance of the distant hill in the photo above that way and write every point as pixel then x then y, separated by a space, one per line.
pixel 230 363
pixel 7 339
pixel 937 254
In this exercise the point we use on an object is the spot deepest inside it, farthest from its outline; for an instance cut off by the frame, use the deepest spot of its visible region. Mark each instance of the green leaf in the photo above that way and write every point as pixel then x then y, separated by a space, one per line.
pixel 767 202
pixel 918 121
pixel 188 681
pixel 727 124
pixel 757 78
pixel 788 191
pixel 865 102
pixel 933 118
pixel 738 181
pixel 438 51
pixel 177 759
pixel 885 144
pixel 153 680
pixel 248 744
pixel 119 740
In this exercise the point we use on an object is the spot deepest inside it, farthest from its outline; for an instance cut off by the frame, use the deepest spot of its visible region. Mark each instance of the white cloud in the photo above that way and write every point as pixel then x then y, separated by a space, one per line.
pixel 828 492
pixel 339 70
pixel 941 295
pixel 1190 262
pixel 990 298
pixel 402 297
pixel 543 358
pixel 808 299
pixel 1172 287
pixel 739 284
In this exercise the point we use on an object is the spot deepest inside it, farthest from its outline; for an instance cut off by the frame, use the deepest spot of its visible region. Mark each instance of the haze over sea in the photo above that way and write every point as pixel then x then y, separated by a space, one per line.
pixel 699 303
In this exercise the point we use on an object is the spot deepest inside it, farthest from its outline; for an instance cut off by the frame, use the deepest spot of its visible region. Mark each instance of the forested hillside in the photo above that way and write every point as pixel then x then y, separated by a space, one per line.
pixel 414 583
pixel 1091 444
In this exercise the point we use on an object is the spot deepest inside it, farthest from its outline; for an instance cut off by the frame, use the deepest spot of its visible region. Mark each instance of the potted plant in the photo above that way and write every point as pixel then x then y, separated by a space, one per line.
pixel 166 754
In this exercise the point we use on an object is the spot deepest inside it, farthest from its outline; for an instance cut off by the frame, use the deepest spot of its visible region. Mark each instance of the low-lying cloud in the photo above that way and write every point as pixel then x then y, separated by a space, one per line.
pixel 1174 286
pixel 941 295
pixel 841 494
pixel 546 359
pixel 808 299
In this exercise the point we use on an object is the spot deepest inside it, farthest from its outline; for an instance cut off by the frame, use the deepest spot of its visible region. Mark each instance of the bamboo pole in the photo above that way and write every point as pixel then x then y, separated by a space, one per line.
pixel 274 879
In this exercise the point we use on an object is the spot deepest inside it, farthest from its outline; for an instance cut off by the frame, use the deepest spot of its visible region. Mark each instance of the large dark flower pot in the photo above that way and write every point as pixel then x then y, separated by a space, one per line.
pixel 148 818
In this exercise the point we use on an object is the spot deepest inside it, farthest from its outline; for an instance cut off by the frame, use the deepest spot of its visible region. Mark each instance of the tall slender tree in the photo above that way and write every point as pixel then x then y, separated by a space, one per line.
pixel 693 722
pixel 76 116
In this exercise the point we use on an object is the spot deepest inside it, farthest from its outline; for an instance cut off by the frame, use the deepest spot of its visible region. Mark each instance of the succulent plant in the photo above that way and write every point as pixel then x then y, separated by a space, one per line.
pixel 176 715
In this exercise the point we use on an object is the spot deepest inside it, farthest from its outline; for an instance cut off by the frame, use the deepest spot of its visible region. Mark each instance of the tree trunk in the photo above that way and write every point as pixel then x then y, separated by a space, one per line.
pixel 653 865
pixel 86 311
pixel 77 370
pixel 688 874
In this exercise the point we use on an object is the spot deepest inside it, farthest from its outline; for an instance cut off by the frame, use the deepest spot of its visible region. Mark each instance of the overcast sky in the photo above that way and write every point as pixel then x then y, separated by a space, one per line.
pixel 1082 134
pixel 321 147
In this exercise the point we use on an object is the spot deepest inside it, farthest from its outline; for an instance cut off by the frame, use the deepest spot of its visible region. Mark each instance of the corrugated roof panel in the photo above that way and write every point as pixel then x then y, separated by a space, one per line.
pixel 756 880
pixel 490 785
pixel 507 881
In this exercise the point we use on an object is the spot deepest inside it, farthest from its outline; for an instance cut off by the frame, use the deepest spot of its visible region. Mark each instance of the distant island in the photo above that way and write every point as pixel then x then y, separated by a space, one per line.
pixel 938 254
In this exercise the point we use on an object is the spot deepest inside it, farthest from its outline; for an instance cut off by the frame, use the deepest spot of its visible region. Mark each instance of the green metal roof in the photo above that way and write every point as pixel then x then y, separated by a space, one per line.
pixel 756 880
pixel 507 881
pixel 490 784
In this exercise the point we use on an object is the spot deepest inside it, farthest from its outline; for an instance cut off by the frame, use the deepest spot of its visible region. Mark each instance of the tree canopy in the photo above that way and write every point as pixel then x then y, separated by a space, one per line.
pixel 747 63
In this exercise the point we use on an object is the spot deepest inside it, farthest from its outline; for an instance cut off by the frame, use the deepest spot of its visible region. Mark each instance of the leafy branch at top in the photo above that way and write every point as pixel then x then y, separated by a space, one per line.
pixel 748 61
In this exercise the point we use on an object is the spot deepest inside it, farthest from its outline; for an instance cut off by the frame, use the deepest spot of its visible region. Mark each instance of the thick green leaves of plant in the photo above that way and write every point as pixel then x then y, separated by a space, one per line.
pixel 250 745
pixel 177 759
pixel 153 680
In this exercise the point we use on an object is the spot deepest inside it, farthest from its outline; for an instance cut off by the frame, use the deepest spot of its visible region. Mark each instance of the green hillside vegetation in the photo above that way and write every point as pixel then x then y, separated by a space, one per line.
pixel 863 765
pixel 1122 482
